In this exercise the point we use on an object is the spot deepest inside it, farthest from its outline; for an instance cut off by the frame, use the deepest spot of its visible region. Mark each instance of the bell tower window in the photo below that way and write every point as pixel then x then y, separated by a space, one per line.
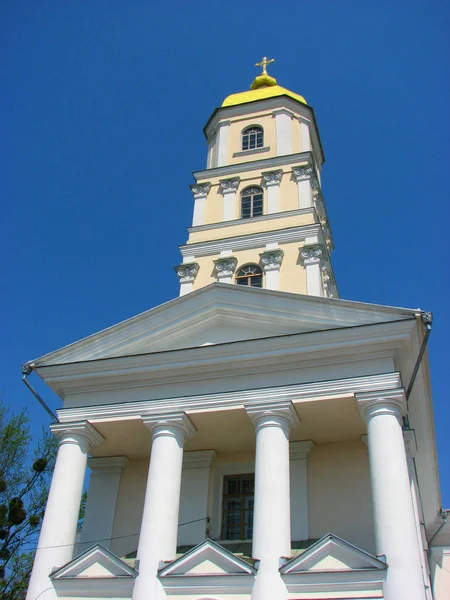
pixel 252 137
pixel 251 202
pixel 250 275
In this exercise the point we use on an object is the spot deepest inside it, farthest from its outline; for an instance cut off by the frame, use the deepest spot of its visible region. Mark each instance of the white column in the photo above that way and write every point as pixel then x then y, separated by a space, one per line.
pixel 271 261
pixel 271 519
pixel 283 127
pixel 101 500
pixel 194 496
pixel 303 177
pixel 229 188
pixel 187 272
pixel 394 520
pixel 299 452
pixel 272 180
pixel 305 134
pixel 200 192
pixel 221 154
pixel 311 256
pixel 225 266
pixel 158 535
pixel 59 527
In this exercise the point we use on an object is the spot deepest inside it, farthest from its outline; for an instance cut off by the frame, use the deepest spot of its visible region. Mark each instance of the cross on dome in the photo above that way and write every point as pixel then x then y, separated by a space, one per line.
pixel 263 64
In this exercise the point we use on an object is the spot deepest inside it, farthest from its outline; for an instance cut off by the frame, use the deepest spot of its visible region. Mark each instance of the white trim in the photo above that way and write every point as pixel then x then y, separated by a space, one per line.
pixel 235 399
pixel 283 129
pixel 254 240
pixel 267 217
pixel 221 157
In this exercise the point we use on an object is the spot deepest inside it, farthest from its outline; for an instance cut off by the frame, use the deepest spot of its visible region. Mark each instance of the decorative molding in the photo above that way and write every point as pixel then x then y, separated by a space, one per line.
pixel 177 422
pixel 268 217
pixel 200 190
pixel 283 111
pixel 384 402
pixel 302 173
pixel 224 400
pixel 300 450
pixel 254 240
pixel 187 272
pixel 272 177
pixel 272 259
pixel 80 432
pixel 225 267
pixel 263 413
pixel 312 254
pixel 229 185
pixel 328 280
pixel 255 165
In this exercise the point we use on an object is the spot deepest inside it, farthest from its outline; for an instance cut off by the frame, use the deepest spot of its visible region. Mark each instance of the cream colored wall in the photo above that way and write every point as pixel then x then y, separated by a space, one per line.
pixel 339 495
pixel 264 120
pixel 292 274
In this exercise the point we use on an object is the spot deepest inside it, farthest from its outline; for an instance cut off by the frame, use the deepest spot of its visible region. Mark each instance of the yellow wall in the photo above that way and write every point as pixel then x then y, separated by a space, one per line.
pixel 292 275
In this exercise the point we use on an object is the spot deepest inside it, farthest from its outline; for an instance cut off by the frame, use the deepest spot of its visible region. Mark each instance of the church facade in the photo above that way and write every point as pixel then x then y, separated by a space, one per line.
pixel 257 437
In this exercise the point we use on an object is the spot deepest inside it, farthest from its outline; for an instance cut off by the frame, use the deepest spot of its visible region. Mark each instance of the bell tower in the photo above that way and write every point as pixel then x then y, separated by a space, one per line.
pixel 259 216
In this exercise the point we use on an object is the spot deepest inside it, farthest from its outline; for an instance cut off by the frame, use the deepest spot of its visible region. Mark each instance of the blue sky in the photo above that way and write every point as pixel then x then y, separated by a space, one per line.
pixel 102 111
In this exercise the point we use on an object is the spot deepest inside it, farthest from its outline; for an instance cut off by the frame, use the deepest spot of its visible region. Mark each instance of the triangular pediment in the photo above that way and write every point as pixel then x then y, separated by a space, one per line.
pixel 331 554
pixel 218 314
pixel 207 559
pixel 98 563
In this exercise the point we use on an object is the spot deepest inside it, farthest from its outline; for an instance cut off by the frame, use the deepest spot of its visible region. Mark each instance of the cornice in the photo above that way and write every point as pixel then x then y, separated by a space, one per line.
pixel 224 400
pixel 269 217
pixel 255 165
pixel 253 240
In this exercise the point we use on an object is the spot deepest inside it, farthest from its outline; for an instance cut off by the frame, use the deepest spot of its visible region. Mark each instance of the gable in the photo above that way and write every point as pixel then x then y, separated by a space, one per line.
pixel 217 314
pixel 331 554
pixel 98 563
pixel 207 559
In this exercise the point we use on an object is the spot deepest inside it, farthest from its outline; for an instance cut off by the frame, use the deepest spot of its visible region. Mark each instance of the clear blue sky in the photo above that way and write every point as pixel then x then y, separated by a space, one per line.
pixel 102 108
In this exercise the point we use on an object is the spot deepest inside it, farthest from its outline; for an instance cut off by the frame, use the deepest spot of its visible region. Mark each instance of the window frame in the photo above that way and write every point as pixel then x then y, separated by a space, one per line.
pixel 249 277
pixel 243 524
pixel 246 138
pixel 256 191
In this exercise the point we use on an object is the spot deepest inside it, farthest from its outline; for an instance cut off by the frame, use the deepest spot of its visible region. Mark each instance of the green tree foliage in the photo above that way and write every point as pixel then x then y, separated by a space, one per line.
pixel 24 482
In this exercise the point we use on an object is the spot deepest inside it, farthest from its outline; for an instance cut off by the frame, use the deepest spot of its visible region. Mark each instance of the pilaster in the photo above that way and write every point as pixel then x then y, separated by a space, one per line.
pixel 312 256
pixel 298 455
pixel 283 127
pixel 229 188
pixel 271 260
pixel 200 192
pixel 272 180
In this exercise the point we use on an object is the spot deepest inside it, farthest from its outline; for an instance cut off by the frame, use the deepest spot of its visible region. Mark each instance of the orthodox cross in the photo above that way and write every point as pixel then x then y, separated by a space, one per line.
pixel 264 64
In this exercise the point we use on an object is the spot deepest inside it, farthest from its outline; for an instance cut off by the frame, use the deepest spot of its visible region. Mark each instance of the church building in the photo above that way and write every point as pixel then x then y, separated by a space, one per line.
pixel 257 437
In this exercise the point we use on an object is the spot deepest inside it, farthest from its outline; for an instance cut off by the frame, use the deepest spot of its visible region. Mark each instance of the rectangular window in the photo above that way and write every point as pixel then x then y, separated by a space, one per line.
pixel 237 513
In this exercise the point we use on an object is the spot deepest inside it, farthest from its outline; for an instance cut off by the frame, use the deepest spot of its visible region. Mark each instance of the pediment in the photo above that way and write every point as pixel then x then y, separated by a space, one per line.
pixel 207 559
pixel 331 554
pixel 98 563
pixel 218 314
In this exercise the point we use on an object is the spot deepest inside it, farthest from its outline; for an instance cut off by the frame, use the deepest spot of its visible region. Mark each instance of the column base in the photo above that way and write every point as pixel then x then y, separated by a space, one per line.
pixel 269 584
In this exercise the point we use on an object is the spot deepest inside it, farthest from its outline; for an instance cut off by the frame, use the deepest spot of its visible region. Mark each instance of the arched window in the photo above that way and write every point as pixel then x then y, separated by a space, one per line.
pixel 251 202
pixel 250 275
pixel 252 137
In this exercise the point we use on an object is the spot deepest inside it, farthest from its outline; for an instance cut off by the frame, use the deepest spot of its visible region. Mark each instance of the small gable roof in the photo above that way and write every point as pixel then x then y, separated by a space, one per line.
pixel 98 563
pixel 330 554
pixel 207 559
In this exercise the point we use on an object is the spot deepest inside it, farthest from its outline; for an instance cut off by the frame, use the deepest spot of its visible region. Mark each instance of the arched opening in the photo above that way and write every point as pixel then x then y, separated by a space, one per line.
pixel 252 137
pixel 250 275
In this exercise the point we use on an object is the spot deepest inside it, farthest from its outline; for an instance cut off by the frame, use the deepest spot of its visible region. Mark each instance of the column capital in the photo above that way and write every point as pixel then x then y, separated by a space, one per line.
pixel 225 267
pixel 229 185
pixel 300 450
pixel 312 254
pixel 200 190
pixel 271 259
pixel 177 424
pixel 107 464
pixel 383 402
pixel 272 177
pixel 283 111
pixel 187 272
pixel 303 172
pixel 273 414
pixel 81 433
pixel 201 459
